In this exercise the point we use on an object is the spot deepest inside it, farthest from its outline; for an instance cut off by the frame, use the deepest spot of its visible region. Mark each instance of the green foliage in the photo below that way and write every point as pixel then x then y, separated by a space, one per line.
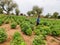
pixel 28 32
pixel 58 17
pixel 17 11
pixel 55 32
pixel 1 22
pixel 7 21
pixel 3 35
pixel 46 30
pixel 7 5
pixel 48 15
pixel 55 14
pixel 37 31
pixel 46 23
pixel 29 13
pixel 39 40
pixel 26 29
pixel 32 27
pixel 37 10
pixel 17 39
pixel 1 11
pixel 13 25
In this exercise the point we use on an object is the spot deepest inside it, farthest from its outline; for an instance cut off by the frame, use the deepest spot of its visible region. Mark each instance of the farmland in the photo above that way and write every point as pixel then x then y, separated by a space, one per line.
pixel 22 30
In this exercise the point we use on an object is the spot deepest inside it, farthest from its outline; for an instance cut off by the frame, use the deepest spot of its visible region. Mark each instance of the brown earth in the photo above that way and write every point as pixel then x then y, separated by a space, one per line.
pixel 52 41
pixel 28 39
pixel 10 32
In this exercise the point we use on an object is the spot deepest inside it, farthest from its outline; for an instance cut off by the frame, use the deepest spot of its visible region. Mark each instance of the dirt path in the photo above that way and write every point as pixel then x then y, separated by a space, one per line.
pixel 52 41
pixel 10 32
pixel 28 39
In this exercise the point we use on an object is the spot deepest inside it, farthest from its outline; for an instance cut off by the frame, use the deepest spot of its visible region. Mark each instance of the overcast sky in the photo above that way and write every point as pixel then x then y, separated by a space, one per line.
pixel 49 6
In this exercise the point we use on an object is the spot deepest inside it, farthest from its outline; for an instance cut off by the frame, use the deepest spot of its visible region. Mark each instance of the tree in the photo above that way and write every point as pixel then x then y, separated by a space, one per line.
pixel 37 10
pixel 12 13
pixel 17 11
pixel 48 15
pixel 1 10
pixel 59 17
pixel 21 14
pixel 55 14
pixel 7 5
pixel 29 13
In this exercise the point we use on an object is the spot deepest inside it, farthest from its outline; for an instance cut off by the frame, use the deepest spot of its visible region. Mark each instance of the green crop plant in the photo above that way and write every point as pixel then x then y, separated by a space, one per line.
pixel 17 39
pixel 3 35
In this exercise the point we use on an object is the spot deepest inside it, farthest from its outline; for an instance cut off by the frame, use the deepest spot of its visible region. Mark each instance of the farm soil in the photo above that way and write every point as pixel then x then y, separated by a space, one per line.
pixel 27 39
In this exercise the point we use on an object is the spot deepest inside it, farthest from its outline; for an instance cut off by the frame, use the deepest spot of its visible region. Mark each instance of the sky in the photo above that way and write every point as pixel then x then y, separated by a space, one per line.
pixel 49 6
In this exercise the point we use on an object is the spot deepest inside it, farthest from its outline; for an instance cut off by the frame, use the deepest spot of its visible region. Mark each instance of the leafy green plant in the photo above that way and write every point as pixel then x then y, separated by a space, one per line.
pixel 39 40
pixel 45 30
pixel 28 31
pixel 7 21
pixel 32 27
pixel 1 22
pixel 45 23
pixel 17 39
pixel 37 32
pixel 13 25
pixel 3 35
pixel 55 32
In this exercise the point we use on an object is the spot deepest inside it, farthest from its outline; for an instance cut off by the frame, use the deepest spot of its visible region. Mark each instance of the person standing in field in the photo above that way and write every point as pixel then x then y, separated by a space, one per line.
pixel 38 20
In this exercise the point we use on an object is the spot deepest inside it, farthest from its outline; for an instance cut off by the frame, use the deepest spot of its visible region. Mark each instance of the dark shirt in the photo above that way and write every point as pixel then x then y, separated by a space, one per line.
pixel 38 20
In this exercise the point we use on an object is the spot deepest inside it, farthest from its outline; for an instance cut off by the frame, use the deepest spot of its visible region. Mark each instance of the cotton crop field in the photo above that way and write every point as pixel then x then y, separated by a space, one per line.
pixel 22 30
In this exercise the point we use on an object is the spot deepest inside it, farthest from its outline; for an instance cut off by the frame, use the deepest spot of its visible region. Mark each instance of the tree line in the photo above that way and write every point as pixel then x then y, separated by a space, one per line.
pixel 9 6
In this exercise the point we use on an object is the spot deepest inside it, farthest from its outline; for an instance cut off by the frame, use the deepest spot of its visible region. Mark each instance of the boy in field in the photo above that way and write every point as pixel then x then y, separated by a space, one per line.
pixel 38 20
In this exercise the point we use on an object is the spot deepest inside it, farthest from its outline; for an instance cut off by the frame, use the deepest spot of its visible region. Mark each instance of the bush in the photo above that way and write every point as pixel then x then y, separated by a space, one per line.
pixel 3 35
pixel 46 23
pixel 13 25
pixel 45 30
pixel 39 40
pixel 28 32
pixel 56 32
pixel 26 29
pixel 7 21
pixel 58 17
pixel 37 32
pixel 32 27
pixel 1 22
pixel 17 39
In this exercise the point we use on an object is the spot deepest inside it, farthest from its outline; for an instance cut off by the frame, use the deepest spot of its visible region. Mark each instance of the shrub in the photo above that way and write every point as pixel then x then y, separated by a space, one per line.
pixel 45 30
pixel 32 27
pixel 1 22
pixel 28 31
pixel 3 35
pixel 13 25
pixel 24 27
pixel 17 39
pixel 37 32
pixel 7 21
pixel 45 23
pixel 55 32
pixel 39 40
pixel 58 17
